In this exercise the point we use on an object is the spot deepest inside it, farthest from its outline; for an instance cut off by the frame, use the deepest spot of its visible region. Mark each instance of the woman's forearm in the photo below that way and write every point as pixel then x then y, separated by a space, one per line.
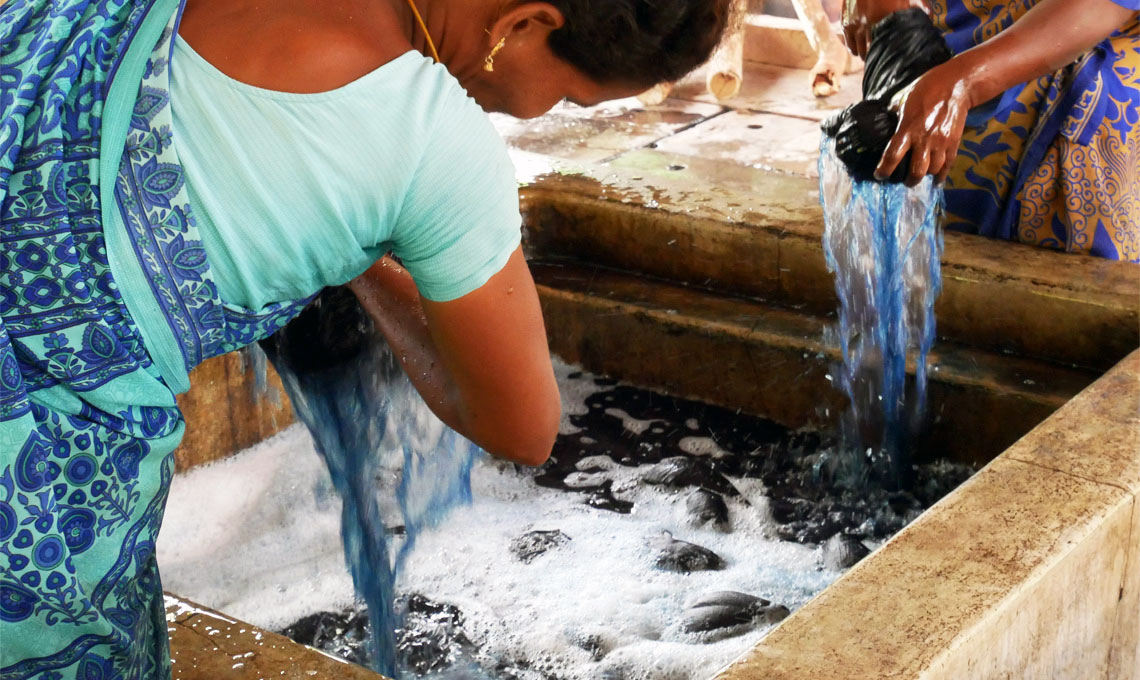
pixel 1051 34
pixel 933 110
pixel 480 362
pixel 389 295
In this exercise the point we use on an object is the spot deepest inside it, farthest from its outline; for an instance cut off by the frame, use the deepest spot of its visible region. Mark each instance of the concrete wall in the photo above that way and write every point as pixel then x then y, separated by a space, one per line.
pixel 226 413
pixel 206 645
pixel 1029 570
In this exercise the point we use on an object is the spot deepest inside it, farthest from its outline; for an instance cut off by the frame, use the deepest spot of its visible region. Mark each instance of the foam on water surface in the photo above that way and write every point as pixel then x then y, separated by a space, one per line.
pixel 270 553
pixel 601 585
pixel 257 535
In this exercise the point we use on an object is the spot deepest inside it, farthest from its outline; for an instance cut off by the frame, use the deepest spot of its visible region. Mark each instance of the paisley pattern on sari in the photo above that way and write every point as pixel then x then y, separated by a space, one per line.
pixel 1054 162
pixel 88 421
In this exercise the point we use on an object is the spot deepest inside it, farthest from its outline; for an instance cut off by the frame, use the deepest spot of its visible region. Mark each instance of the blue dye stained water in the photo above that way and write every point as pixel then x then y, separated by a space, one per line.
pixel 883 243
pixel 358 412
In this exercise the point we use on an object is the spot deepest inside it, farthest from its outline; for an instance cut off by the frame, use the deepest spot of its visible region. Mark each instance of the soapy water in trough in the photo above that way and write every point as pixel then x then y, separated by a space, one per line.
pixel 662 539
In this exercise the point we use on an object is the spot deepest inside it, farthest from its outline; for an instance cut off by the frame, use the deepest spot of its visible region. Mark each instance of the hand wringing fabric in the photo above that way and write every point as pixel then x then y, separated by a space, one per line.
pixel 904 46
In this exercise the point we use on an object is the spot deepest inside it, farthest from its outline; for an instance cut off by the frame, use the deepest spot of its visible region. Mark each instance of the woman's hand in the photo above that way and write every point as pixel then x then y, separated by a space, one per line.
pixel 931 121
pixel 933 111
pixel 859 16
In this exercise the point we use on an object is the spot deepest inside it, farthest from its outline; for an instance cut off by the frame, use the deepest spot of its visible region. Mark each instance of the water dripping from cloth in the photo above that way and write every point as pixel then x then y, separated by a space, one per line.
pixel 883 243
pixel 366 419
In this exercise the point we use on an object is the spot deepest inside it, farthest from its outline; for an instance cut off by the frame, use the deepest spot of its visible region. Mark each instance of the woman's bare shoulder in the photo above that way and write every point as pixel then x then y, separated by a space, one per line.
pixel 293 45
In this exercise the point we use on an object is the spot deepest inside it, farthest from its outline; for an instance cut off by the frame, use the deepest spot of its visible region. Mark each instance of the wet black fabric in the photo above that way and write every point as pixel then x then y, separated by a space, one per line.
pixel 332 329
pixel 862 132
pixel 904 45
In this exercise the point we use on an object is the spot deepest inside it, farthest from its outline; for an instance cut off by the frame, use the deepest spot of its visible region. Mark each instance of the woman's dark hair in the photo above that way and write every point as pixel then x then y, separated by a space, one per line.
pixel 640 42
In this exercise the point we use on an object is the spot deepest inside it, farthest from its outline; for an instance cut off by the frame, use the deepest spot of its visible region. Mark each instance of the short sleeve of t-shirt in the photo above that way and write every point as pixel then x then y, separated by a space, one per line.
pixel 1128 4
pixel 459 222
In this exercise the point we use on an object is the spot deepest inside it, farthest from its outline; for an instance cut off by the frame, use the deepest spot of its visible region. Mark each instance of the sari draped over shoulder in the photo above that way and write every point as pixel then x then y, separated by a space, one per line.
pixel 106 302
pixel 1053 162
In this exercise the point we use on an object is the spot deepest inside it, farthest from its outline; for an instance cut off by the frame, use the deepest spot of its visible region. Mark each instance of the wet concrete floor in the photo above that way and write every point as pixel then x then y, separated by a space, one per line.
pixel 773 125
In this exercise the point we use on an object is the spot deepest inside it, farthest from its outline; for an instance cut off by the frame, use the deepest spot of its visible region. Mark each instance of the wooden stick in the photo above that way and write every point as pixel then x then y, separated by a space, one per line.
pixel 726 67
pixel 833 57
pixel 656 94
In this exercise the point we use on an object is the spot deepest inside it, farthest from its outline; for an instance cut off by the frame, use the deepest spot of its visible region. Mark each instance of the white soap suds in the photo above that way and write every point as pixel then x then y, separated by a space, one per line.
pixel 702 446
pixel 257 536
pixel 632 425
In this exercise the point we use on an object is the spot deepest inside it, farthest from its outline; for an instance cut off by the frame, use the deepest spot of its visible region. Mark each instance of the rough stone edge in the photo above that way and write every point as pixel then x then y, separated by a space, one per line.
pixel 1124 647
pixel 242 640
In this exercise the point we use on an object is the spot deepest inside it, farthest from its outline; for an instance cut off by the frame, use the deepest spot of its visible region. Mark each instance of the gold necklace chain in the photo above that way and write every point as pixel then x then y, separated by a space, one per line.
pixel 423 28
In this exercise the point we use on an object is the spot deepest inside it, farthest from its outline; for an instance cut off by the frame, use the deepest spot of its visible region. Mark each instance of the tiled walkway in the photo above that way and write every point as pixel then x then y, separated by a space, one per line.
pixel 772 125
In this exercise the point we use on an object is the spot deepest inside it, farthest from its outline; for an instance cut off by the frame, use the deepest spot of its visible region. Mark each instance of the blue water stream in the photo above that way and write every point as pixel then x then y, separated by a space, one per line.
pixel 883 243
pixel 363 413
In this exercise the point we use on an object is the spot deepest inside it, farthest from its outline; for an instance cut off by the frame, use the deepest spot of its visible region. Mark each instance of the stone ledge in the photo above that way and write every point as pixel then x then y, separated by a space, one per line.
pixel 774 362
pixel 207 645
pixel 1024 571
pixel 672 224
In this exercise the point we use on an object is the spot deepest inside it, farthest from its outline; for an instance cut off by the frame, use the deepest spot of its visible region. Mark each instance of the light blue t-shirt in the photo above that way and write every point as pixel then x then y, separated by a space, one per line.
pixel 295 192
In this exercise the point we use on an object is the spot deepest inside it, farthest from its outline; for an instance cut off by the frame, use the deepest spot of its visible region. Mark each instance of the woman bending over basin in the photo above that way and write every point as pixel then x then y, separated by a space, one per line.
pixel 1050 152
pixel 177 182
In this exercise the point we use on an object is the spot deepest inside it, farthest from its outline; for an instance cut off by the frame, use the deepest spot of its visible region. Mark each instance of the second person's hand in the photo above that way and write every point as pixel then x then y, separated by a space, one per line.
pixel 859 16
pixel 931 121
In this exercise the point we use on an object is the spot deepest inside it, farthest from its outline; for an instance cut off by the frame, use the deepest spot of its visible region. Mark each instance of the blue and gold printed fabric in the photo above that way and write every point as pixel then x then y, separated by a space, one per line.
pixel 1054 162
pixel 106 302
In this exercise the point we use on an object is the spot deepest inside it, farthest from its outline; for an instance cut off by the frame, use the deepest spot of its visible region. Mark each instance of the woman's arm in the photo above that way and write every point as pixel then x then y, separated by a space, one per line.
pixel 481 362
pixel 1050 35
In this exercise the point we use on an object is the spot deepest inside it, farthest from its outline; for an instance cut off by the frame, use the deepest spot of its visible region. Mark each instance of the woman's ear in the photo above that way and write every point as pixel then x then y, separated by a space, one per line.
pixel 526 22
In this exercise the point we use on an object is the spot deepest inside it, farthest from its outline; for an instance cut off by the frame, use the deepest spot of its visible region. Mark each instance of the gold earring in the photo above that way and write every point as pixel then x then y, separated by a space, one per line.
pixel 489 62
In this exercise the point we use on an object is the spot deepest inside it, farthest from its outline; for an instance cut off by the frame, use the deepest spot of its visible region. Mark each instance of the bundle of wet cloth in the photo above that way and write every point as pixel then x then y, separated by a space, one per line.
pixel 904 45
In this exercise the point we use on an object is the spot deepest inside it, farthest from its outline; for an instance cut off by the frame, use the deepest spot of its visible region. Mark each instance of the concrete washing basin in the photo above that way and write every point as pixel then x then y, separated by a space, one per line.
pixel 662 276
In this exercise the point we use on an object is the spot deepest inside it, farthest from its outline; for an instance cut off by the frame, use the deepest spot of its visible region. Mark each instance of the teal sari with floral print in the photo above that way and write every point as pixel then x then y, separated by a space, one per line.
pixel 106 302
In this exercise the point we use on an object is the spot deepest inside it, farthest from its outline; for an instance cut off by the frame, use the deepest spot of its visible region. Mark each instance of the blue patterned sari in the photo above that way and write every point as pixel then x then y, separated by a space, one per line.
pixel 1054 162
pixel 106 302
